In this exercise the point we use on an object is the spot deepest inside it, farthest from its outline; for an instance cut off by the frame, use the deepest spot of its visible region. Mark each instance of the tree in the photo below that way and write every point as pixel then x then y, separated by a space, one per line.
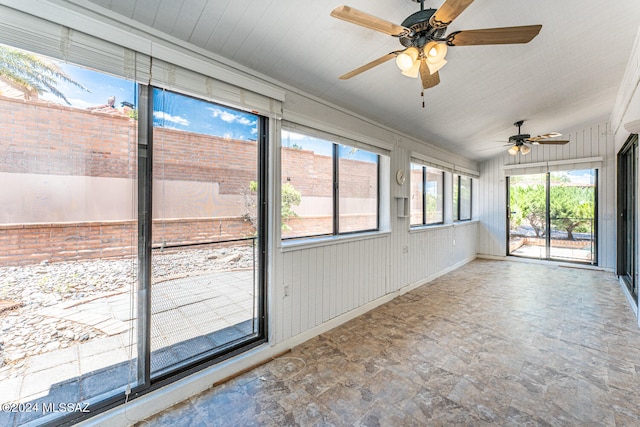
pixel 528 202
pixel 572 208
pixel 290 197
pixel 32 74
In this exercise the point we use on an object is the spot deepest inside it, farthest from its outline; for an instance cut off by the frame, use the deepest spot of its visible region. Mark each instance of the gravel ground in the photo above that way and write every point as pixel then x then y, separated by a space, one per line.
pixel 24 332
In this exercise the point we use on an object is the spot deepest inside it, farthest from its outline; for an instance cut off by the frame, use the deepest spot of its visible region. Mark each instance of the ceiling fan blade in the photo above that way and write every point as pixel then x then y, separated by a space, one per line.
pixel 551 142
pixel 545 136
pixel 363 19
pixel 370 65
pixel 449 11
pixel 504 35
pixel 428 79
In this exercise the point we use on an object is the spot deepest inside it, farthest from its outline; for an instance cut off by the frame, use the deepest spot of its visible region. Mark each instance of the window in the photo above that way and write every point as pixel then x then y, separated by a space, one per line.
pixel 427 195
pixel 327 188
pixel 462 194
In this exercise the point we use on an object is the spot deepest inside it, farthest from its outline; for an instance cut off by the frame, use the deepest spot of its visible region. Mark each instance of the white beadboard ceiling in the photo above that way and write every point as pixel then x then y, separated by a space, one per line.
pixel 567 77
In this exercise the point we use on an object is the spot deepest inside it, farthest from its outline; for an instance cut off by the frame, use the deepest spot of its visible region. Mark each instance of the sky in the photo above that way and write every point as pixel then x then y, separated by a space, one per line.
pixel 324 148
pixel 171 110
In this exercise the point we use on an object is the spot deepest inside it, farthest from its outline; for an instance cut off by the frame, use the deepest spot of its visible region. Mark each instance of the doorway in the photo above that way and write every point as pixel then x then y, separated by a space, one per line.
pixel 552 215
pixel 627 211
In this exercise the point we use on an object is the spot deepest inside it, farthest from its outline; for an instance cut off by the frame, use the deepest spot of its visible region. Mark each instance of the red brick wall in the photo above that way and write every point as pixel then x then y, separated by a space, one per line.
pixel 44 138
pixel 23 244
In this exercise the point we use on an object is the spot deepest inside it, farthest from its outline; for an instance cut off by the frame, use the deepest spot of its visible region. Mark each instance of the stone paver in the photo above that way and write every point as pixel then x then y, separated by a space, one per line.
pixel 183 325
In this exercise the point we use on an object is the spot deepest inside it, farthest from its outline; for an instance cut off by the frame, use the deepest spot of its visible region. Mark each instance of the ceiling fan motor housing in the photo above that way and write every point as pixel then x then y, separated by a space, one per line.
pixel 423 32
pixel 519 139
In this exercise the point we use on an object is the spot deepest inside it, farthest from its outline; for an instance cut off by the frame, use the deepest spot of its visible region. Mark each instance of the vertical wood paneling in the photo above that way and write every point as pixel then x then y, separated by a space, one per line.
pixel 305 284
pixel 325 285
pixel 318 280
pixel 313 303
pixel 327 281
pixel 333 301
pixel 295 292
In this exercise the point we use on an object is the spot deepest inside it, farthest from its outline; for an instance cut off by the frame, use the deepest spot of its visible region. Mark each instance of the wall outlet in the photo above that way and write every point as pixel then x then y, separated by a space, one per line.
pixel 286 290
pixel 454 242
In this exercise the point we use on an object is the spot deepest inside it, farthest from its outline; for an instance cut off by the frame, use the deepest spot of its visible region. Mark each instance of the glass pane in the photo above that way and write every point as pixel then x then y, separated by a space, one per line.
pixel 527 219
pixel 465 198
pixel 68 245
pixel 456 197
pixel 358 189
pixel 204 265
pixel 417 187
pixel 572 215
pixel 434 196
pixel 307 186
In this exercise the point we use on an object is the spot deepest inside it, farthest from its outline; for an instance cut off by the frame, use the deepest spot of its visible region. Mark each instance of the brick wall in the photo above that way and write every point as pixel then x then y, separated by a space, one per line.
pixel 51 139
pixel 22 244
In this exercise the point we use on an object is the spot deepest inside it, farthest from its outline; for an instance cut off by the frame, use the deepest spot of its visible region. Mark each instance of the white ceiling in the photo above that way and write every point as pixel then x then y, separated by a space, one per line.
pixel 567 77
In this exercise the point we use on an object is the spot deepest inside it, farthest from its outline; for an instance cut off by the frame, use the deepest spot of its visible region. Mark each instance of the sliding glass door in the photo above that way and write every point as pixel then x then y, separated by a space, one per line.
pixel 528 215
pixel 553 215
pixel 206 297
pixel 572 216
pixel 627 211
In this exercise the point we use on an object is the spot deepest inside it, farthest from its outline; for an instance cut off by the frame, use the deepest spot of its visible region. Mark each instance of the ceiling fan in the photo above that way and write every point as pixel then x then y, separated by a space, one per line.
pixel 423 36
pixel 518 143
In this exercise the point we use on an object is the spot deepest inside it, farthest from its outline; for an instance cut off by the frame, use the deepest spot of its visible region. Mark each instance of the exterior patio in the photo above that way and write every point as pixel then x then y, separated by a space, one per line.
pixel 190 316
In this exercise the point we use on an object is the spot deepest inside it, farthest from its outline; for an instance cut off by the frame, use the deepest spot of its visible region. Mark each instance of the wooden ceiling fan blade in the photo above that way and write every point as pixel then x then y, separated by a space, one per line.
pixel 449 11
pixel 504 35
pixel 370 65
pixel 551 142
pixel 363 19
pixel 428 79
pixel 545 136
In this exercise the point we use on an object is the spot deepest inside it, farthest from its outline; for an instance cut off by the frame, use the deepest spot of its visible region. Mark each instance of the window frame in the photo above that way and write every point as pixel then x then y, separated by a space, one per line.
pixel 424 222
pixel 335 199
pixel 457 201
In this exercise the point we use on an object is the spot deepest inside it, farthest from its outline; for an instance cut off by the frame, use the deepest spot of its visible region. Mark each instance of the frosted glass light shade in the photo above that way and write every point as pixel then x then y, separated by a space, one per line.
pixel 434 53
pixel 407 59
pixel 414 71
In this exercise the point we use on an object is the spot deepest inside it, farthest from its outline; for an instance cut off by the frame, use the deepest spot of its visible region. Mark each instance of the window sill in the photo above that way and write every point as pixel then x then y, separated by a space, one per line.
pixel 426 228
pixel 314 242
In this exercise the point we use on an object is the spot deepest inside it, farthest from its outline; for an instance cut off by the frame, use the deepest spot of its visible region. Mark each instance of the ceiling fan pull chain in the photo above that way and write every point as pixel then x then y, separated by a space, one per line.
pixel 422 94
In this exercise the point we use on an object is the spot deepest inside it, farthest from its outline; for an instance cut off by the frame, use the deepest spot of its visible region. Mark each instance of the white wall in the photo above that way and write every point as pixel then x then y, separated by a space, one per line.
pixel 626 112
pixel 594 141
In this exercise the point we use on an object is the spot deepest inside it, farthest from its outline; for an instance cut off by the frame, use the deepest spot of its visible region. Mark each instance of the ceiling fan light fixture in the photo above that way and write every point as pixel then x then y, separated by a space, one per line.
pixel 407 59
pixel 434 53
pixel 513 150
pixel 435 67
pixel 525 150
pixel 414 71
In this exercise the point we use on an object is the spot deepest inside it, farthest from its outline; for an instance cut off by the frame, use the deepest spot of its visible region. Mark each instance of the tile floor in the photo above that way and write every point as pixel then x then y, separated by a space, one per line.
pixel 493 343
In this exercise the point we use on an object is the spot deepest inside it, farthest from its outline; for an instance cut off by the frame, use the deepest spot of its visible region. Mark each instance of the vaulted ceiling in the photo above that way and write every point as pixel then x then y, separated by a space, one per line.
pixel 567 77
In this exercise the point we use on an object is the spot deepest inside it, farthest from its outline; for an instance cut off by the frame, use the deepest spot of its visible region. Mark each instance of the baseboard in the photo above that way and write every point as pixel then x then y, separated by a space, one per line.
pixel 546 262
pixel 627 294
